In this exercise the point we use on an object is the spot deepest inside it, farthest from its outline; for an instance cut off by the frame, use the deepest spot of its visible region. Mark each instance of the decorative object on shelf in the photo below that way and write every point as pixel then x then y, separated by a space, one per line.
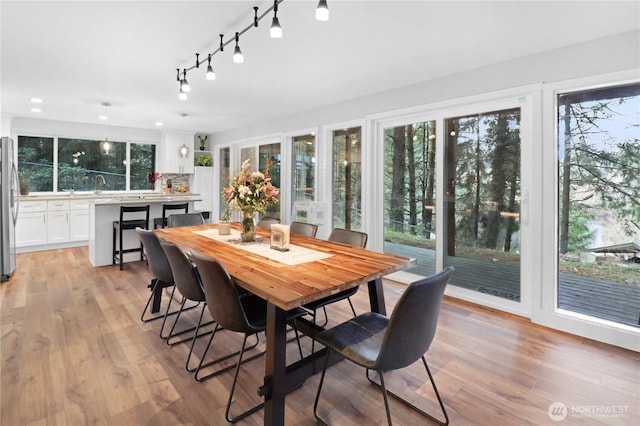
pixel 322 14
pixel 203 160
pixel 280 235
pixel 203 141
pixel 250 192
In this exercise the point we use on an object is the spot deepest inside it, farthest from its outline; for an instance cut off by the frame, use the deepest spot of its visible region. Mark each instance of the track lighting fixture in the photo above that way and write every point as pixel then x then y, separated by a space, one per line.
pixel 238 58
pixel 276 29
pixel 322 11
pixel 211 75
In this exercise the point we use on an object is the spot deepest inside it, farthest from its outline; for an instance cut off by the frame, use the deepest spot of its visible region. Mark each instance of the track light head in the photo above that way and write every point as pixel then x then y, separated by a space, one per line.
pixel 211 75
pixel 238 57
pixel 182 95
pixel 322 11
pixel 184 84
pixel 276 29
pixel 222 42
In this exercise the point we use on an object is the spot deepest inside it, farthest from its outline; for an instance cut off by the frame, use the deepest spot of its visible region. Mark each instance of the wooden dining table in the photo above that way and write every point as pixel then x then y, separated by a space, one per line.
pixel 285 286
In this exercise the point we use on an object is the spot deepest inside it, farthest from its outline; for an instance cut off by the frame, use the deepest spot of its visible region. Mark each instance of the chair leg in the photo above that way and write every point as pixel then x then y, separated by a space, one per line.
pixel 113 247
pixel 407 403
pixel 233 387
pixel 196 336
pixel 352 308
pixel 202 364
pixel 120 245
pixel 174 333
pixel 315 404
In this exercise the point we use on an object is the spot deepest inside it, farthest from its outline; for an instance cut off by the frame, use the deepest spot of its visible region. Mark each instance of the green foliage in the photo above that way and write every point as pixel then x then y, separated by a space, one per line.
pixel 580 237
pixel 203 160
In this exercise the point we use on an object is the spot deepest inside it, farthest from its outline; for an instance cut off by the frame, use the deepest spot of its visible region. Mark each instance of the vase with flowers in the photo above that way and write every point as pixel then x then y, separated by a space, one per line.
pixel 153 178
pixel 250 192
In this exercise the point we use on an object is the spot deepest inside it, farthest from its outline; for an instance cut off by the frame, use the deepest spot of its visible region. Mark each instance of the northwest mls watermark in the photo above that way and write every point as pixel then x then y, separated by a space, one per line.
pixel 558 411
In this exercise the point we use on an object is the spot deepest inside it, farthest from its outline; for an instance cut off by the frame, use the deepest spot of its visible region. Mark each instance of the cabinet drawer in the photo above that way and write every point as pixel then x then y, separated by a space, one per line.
pixel 57 205
pixel 79 204
pixel 33 206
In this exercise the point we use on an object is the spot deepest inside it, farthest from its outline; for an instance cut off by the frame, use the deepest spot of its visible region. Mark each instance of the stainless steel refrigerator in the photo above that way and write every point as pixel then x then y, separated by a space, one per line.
pixel 9 194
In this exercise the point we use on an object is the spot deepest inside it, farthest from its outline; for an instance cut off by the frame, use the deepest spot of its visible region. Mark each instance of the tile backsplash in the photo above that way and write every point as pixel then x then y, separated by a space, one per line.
pixel 177 179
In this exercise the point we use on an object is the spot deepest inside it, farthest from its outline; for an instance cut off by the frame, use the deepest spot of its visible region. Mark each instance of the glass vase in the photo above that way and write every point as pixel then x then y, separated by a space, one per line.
pixel 248 232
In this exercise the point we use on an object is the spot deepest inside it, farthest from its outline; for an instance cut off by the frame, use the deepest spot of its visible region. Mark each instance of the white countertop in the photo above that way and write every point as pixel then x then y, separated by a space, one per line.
pixel 116 197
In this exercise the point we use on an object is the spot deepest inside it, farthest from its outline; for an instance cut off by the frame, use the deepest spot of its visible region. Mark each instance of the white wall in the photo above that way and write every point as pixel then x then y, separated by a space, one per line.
pixel 611 54
pixel 37 127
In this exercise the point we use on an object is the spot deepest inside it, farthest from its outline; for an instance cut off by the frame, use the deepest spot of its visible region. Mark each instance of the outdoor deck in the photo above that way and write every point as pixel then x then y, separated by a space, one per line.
pixel 597 298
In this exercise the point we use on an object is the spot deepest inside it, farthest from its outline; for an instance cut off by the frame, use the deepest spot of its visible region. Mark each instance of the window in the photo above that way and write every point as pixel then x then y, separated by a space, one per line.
pixel 347 178
pixel 79 161
pixel 269 156
pixel 224 176
pixel 598 207
pixel 304 166
pixel 35 162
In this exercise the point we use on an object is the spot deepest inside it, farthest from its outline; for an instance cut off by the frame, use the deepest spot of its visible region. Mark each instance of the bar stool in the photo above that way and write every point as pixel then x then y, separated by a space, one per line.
pixel 128 224
pixel 161 222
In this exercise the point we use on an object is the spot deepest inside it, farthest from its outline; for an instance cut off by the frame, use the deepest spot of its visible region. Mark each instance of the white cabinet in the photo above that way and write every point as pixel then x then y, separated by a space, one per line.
pixel 203 185
pixel 57 221
pixel 79 220
pixel 170 160
pixel 42 224
pixel 31 227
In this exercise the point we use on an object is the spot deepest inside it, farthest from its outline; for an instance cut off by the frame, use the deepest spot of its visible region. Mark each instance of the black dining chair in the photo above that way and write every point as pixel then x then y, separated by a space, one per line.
pixel 185 219
pixel 161 222
pixel 234 312
pixel 187 280
pixel 267 221
pixel 162 276
pixel 382 344
pixel 305 229
pixel 352 238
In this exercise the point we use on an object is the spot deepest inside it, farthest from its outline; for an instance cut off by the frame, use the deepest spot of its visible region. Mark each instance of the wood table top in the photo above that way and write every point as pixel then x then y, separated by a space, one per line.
pixel 288 286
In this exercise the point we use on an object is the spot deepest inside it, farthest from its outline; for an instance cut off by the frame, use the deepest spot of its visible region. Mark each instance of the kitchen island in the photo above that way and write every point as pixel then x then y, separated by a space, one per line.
pixel 104 211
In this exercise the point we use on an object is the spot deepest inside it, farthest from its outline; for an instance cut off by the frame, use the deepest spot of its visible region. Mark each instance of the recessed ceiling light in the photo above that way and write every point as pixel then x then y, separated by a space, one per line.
pixel 102 117
pixel 159 123
pixel 36 110
pixel 36 100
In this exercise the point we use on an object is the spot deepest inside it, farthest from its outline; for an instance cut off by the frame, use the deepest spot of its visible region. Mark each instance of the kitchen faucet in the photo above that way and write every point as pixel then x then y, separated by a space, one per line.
pixel 95 184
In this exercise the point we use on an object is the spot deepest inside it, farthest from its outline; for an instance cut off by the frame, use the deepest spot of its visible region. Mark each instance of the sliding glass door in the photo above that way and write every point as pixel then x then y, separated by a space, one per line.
pixel 409 193
pixel 482 211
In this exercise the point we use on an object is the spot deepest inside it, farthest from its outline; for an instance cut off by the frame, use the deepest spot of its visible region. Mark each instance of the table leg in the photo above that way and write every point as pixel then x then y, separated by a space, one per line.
pixel 275 366
pixel 376 296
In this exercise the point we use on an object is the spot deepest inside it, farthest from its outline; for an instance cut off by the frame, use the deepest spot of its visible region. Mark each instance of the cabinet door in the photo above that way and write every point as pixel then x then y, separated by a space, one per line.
pixel 58 229
pixel 31 229
pixel 171 161
pixel 79 225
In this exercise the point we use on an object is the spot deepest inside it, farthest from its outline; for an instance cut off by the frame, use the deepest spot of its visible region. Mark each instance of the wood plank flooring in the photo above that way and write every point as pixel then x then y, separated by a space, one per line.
pixel 74 352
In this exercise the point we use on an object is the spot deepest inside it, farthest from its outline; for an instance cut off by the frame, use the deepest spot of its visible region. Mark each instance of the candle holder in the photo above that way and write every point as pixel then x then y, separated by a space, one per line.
pixel 280 235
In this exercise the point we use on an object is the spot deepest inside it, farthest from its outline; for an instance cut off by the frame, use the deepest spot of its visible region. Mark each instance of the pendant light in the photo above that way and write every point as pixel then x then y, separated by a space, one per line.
pixel 105 144
pixel 184 84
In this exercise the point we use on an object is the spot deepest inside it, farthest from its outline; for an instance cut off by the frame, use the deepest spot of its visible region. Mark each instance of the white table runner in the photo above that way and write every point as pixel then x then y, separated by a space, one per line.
pixel 262 247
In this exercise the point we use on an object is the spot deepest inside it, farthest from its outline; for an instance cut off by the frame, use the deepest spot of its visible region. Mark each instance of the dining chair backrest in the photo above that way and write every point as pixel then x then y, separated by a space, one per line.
pixel 185 219
pixel 306 229
pixel 267 221
pixel 185 274
pixel 412 324
pixel 156 259
pixel 221 294
pixel 347 236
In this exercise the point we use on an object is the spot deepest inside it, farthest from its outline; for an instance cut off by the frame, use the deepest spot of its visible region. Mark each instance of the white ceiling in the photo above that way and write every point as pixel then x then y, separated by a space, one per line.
pixel 76 55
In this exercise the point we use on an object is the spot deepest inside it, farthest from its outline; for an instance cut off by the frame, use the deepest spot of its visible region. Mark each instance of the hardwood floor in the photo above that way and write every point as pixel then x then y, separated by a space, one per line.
pixel 74 352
